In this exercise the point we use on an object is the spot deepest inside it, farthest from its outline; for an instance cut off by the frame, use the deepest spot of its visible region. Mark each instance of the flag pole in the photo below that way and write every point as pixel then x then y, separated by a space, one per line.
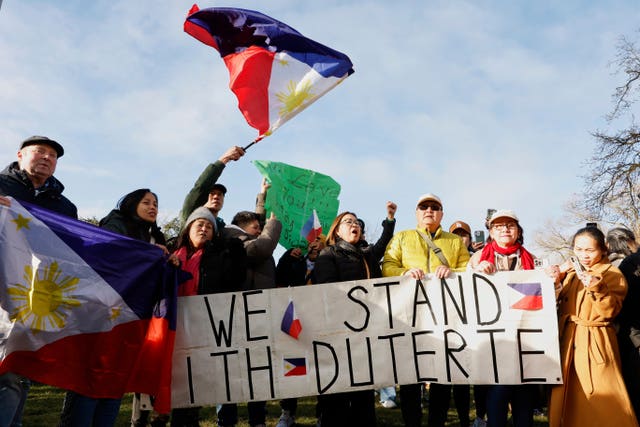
pixel 247 147
pixel 258 139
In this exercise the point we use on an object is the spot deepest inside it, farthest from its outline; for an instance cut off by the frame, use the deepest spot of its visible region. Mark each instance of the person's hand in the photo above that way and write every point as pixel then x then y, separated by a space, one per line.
pixel 586 279
pixel 477 245
pixel 553 271
pixel 391 210
pixel 264 186
pixel 485 267
pixel 164 248
pixel 5 201
pixel 416 273
pixel 233 153
pixel 442 272
pixel 272 216
pixel 174 260
pixel 296 252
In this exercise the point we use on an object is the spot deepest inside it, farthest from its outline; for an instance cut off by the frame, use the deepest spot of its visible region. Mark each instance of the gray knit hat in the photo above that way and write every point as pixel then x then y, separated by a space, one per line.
pixel 202 213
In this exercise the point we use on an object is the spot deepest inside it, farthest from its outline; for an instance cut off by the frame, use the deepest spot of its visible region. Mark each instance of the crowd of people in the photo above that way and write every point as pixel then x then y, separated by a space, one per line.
pixel 596 293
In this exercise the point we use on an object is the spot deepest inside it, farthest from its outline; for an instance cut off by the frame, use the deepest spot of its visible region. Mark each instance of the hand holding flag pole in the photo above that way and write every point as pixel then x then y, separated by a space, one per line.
pixel 274 70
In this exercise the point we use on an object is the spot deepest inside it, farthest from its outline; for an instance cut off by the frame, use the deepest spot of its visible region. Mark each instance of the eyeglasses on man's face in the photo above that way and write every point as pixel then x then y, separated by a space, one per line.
pixel 433 206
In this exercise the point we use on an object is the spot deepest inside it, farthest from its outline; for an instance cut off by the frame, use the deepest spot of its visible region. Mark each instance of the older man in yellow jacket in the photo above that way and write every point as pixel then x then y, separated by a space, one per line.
pixel 426 249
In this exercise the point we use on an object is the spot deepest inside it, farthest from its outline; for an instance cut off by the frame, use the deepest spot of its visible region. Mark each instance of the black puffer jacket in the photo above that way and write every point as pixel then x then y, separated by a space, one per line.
pixel 223 266
pixel 16 183
pixel 342 262
pixel 135 228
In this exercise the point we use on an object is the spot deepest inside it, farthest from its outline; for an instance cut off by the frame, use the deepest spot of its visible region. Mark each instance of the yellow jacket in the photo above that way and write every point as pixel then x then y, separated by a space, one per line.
pixel 407 250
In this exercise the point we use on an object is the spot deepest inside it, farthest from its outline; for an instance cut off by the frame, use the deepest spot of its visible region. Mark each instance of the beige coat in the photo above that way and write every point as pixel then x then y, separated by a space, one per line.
pixel 593 393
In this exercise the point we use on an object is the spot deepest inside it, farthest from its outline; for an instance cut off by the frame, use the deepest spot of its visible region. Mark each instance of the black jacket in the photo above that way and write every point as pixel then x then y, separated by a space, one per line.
pixel 291 271
pixel 344 261
pixel 135 228
pixel 223 266
pixel 629 316
pixel 379 247
pixel 16 183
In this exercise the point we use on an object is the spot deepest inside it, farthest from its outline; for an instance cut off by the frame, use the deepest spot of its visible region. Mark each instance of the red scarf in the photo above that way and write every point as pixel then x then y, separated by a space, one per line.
pixel 488 254
pixel 190 265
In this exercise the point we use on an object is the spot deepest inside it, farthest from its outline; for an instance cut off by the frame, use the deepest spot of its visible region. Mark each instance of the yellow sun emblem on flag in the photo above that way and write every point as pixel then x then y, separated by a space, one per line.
pixel 44 302
pixel 295 97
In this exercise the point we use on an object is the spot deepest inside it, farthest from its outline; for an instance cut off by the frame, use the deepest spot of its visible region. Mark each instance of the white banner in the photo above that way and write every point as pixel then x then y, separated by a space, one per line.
pixel 467 329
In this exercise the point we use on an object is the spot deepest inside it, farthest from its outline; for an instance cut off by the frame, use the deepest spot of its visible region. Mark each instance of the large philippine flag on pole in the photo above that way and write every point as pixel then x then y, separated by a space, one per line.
pixel 275 71
pixel 82 308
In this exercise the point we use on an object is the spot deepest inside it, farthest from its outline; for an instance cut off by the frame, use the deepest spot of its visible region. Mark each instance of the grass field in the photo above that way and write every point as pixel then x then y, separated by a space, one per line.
pixel 44 403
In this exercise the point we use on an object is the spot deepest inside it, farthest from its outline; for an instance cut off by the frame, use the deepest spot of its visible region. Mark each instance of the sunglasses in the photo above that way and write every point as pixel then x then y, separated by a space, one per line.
pixel 433 206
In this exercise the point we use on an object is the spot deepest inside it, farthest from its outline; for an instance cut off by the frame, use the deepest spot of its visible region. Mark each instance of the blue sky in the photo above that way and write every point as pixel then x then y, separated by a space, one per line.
pixel 488 104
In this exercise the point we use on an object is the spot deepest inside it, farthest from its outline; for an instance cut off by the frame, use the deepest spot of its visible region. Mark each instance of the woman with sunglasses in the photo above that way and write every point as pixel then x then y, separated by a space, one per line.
pixel 343 260
pixel 503 253
pixel 590 292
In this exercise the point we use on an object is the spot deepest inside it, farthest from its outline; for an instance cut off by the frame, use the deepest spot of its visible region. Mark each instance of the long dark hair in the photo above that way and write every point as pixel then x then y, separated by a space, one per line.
pixel 128 207
pixel 128 204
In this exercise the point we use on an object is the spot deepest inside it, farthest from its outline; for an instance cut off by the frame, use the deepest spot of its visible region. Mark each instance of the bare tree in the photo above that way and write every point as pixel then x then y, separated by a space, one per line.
pixel 612 184
pixel 555 238
pixel 613 181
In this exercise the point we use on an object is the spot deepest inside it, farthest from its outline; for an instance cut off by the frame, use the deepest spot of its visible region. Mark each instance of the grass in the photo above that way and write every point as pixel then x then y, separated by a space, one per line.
pixel 44 403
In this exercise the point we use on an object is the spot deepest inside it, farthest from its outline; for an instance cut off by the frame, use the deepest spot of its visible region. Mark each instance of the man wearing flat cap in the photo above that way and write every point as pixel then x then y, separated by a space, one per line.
pixel 30 179
pixel 427 249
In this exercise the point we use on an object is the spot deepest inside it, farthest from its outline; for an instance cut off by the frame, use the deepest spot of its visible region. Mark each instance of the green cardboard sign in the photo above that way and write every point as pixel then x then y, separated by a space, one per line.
pixel 294 194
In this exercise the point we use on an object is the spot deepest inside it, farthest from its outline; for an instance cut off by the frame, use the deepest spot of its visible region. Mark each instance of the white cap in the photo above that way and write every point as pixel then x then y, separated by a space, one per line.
pixel 503 213
pixel 429 196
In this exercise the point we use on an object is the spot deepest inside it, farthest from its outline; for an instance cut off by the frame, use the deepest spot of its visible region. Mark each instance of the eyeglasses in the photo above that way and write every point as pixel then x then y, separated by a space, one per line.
pixel 433 206
pixel 507 226
pixel 350 222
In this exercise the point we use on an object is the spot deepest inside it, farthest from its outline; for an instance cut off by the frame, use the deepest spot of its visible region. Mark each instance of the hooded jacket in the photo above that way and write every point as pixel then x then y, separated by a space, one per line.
pixel 15 183
pixel 261 272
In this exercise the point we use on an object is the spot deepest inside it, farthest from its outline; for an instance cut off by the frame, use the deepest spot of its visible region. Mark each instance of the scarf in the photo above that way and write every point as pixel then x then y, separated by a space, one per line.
pixel 190 265
pixel 489 253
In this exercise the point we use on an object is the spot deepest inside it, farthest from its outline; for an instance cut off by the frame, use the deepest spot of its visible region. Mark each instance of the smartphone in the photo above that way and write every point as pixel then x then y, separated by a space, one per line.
pixel 478 236
pixel 576 264
pixel 489 213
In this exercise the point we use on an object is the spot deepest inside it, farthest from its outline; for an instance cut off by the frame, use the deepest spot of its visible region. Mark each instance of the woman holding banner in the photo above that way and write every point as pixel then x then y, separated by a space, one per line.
pixel 590 292
pixel 340 261
pixel 503 253
pixel 216 265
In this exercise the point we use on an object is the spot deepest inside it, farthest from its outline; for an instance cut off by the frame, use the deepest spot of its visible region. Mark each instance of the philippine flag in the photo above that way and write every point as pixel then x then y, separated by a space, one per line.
pixel 532 299
pixel 312 228
pixel 84 309
pixel 295 366
pixel 290 323
pixel 274 70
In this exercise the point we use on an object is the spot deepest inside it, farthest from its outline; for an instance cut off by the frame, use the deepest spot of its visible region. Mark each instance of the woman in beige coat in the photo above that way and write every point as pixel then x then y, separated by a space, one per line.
pixel 593 393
